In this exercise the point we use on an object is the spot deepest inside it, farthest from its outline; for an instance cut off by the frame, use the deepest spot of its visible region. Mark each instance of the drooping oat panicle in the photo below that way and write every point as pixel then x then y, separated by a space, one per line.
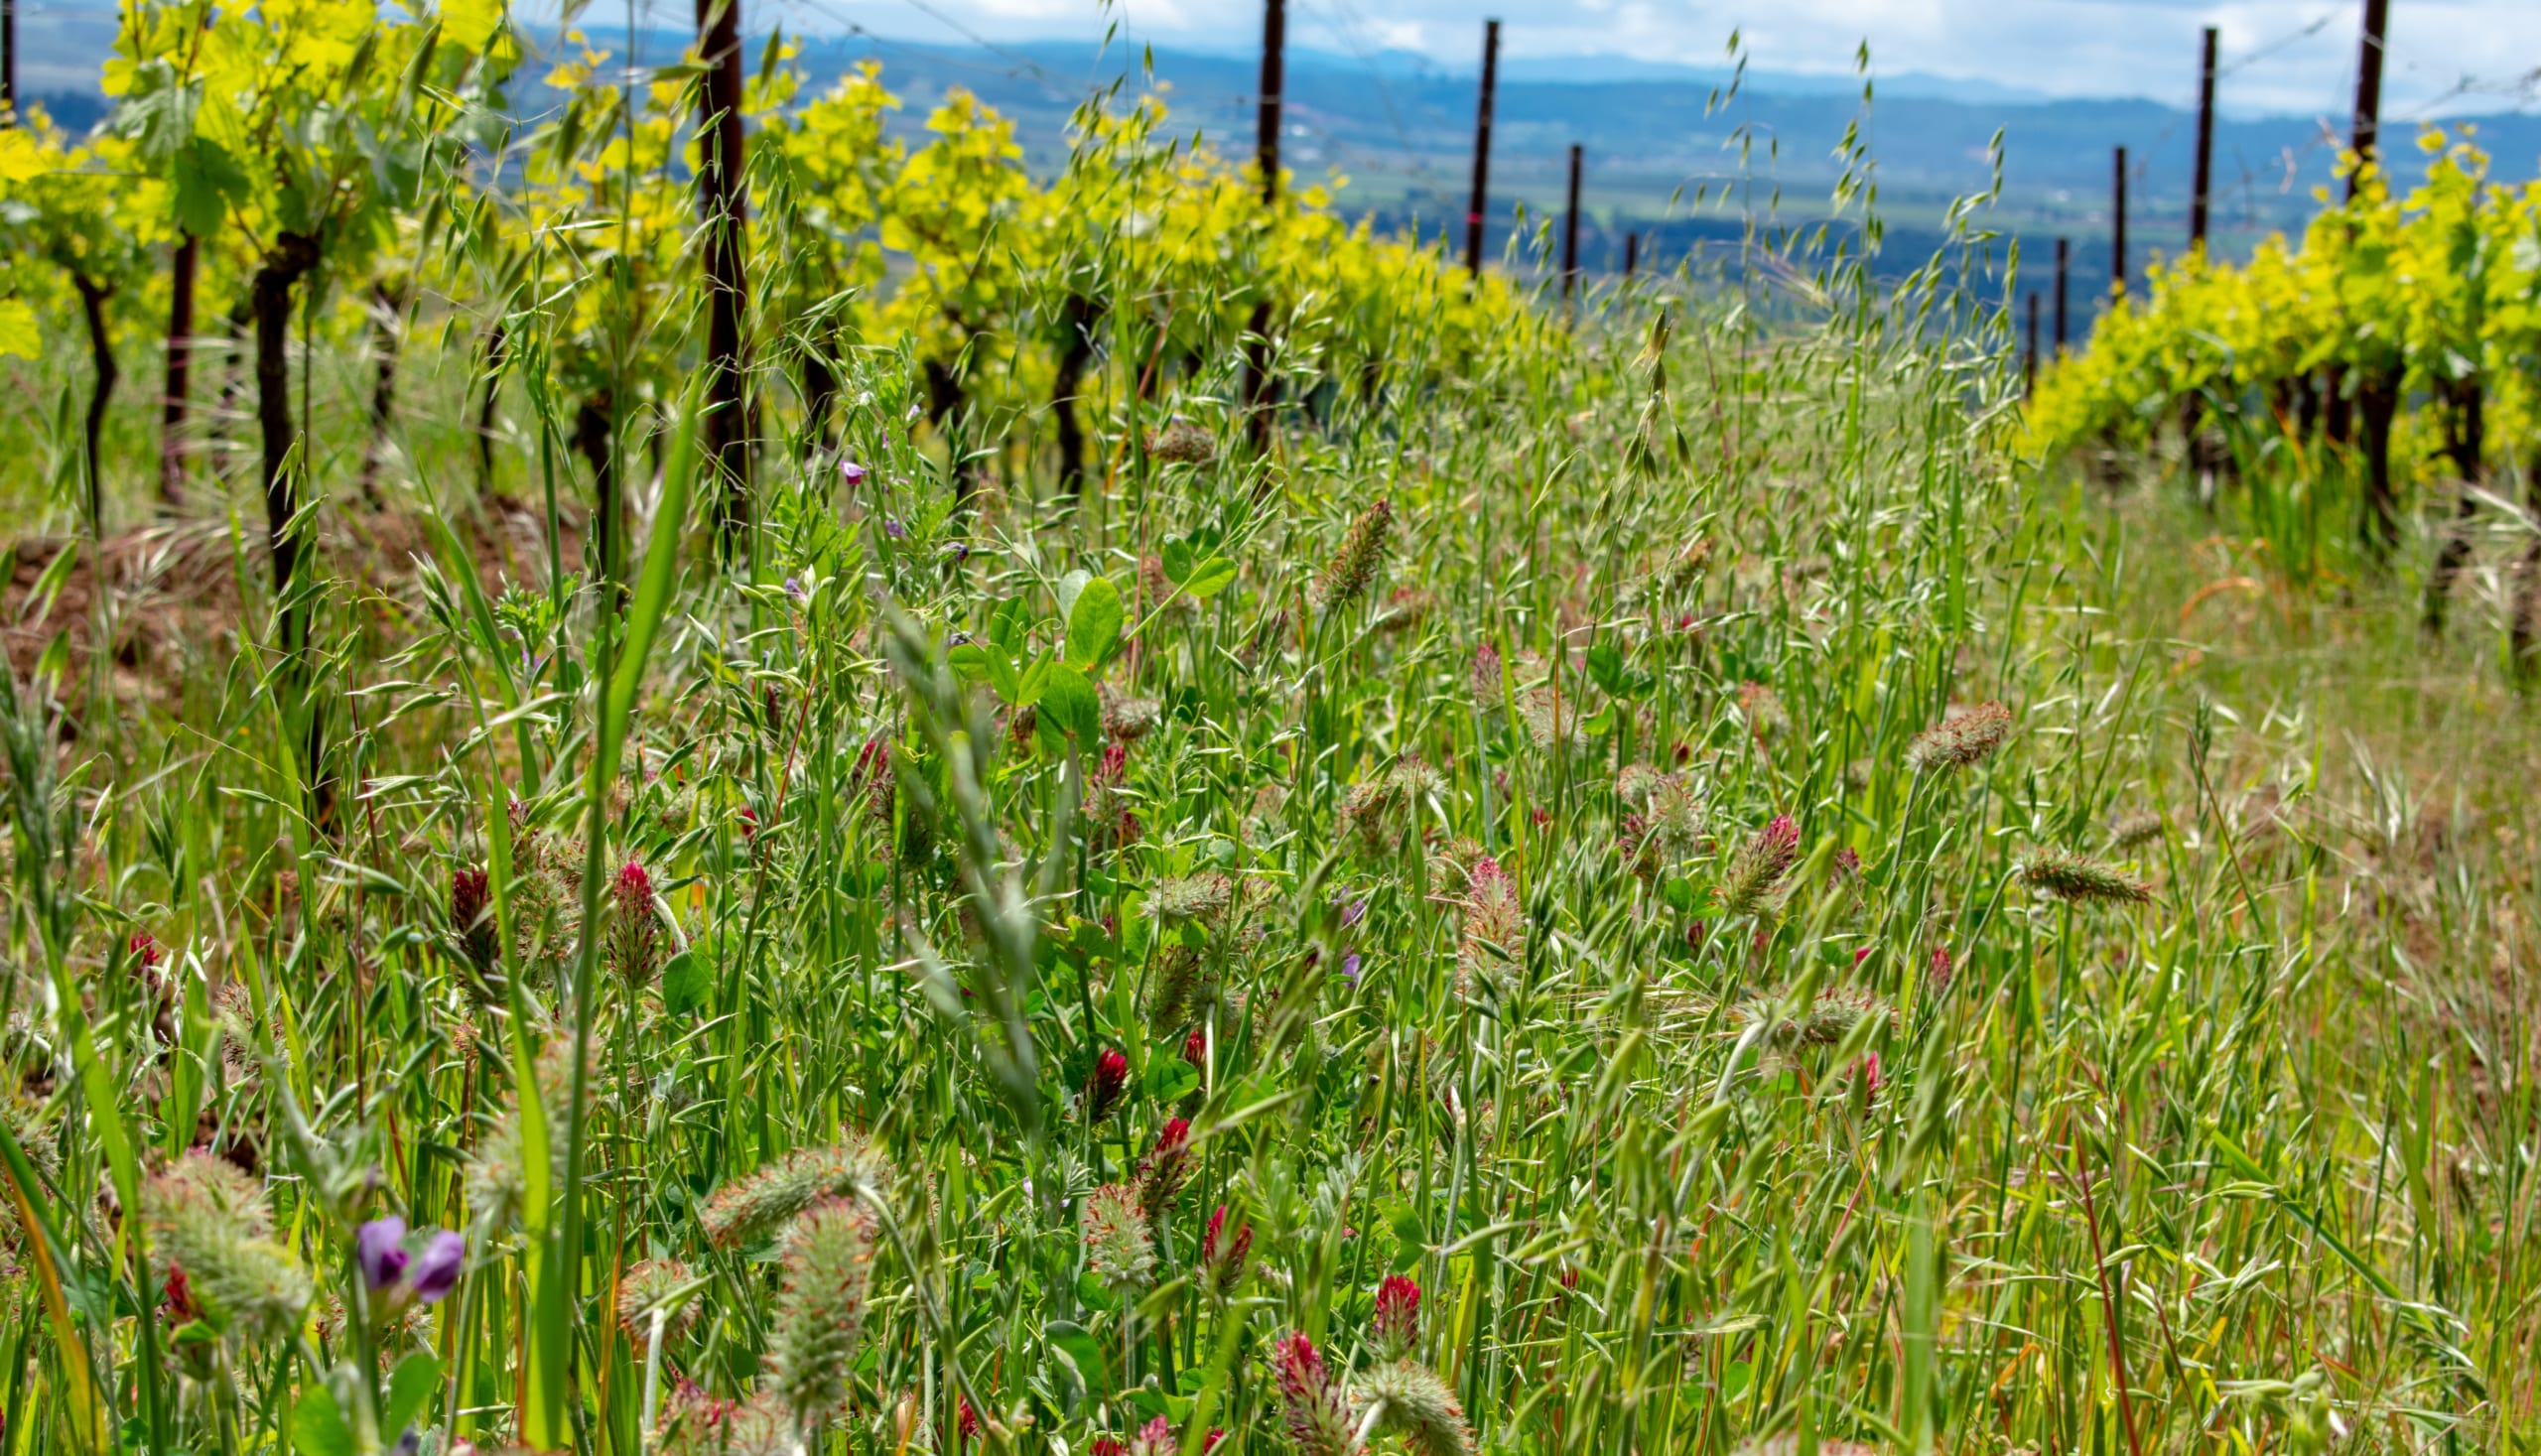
pixel 2078 880
pixel 1312 1404
pixel 1162 1174
pixel 1410 1400
pixel 209 1220
pixel 1361 555
pixel 1396 1326
pixel 1961 741
pixel 1224 1255
pixel 1760 866
pixel 820 1316
pixel 634 931
pixel 1119 1251
pixel 1492 945
pixel 750 1208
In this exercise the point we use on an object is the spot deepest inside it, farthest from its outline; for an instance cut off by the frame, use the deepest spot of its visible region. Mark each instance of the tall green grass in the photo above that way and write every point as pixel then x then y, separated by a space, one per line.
pixel 1482 843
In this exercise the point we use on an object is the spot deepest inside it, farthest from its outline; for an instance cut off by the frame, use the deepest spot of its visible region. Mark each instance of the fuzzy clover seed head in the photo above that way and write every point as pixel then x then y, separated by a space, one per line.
pixel 1961 741
pixel 1410 1400
pixel 211 1220
pixel 1203 897
pixel 1829 1019
pixel 2136 830
pixel 1487 686
pixel 643 1288
pixel 1119 1251
pixel 1763 709
pixel 1492 946
pixel 1788 1446
pixel 1760 866
pixel 1182 442
pixel 829 1281
pixel 744 1211
pixel 1178 971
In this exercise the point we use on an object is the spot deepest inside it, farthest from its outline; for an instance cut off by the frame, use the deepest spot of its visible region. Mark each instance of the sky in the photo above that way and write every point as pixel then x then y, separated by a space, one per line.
pixel 2279 55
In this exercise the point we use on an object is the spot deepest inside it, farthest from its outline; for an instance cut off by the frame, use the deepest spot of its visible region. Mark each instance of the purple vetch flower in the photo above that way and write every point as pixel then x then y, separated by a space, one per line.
pixel 378 1246
pixel 1353 912
pixel 893 529
pixel 851 472
pixel 436 1270
pixel 1350 968
pixel 794 588
pixel 395 1275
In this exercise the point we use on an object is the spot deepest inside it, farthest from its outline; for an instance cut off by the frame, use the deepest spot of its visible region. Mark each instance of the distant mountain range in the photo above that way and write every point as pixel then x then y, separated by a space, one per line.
pixel 1662 157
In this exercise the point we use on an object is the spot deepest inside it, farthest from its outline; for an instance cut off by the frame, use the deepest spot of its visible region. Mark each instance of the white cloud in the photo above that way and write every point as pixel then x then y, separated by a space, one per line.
pixel 2280 56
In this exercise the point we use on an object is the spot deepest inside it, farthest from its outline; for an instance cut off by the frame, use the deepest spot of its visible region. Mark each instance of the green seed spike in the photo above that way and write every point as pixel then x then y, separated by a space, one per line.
pixel 2076 881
